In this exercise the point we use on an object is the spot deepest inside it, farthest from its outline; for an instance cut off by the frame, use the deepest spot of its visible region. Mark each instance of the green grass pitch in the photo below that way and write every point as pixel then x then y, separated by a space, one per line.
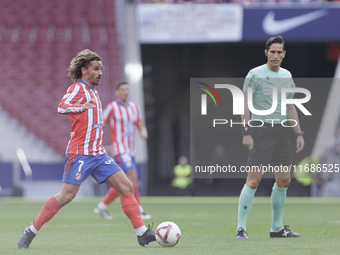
pixel 208 226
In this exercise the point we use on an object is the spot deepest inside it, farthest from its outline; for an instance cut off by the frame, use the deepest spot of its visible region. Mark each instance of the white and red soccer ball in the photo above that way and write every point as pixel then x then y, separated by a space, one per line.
pixel 167 234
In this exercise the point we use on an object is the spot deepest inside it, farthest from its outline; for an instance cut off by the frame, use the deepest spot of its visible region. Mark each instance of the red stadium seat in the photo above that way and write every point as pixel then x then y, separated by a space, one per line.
pixel 35 87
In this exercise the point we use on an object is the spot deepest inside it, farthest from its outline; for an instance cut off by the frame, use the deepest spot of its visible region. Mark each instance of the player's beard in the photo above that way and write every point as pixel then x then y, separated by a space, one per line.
pixel 95 83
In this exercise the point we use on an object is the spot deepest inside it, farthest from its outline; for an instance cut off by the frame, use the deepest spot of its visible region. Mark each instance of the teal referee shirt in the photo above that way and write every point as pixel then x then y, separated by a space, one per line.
pixel 262 80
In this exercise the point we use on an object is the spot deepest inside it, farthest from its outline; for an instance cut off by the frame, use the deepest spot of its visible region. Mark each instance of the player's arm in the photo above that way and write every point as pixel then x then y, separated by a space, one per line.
pixel 108 114
pixel 142 130
pixel 247 139
pixel 72 101
pixel 292 114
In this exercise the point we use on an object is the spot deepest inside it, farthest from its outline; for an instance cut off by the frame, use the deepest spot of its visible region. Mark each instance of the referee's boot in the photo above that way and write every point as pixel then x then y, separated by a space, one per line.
pixel 285 232
pixel 147 237
pixel 241 234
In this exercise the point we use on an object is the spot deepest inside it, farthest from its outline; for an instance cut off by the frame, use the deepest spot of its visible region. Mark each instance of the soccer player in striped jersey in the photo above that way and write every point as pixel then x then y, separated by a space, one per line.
pixel 123 116
pixel 85 154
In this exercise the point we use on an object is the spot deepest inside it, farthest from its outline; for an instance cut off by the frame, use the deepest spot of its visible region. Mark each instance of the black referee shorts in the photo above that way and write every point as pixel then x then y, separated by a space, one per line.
pixel 271 146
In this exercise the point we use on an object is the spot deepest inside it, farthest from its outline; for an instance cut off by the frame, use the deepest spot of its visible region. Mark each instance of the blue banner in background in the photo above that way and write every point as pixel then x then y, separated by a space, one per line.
pixel 303 24
pixel 205 23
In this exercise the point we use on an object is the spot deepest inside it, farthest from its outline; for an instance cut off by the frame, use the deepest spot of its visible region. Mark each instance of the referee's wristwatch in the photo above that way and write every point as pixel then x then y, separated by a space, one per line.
pixel 301 133
pixel 246 130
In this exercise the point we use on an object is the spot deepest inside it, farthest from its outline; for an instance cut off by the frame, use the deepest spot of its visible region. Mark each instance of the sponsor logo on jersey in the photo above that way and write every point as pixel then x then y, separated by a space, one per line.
pixel 98 126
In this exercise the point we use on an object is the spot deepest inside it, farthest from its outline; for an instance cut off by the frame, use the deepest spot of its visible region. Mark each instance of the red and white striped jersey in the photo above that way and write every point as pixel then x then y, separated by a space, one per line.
pixel 122 120
pixel 87 126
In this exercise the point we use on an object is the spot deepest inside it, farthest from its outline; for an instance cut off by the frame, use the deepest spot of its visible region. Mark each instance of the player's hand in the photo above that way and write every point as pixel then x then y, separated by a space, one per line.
pixel 88 105
pixel 300 143
pixel 248 142
pixel 144 133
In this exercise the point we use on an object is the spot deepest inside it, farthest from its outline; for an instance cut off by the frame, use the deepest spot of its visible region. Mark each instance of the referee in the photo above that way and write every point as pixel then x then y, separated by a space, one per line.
pixel 268 145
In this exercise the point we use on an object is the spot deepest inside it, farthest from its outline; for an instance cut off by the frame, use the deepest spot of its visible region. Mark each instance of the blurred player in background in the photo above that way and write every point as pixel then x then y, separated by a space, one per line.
pixel 268 144
pixel 85 154
pixel 123 116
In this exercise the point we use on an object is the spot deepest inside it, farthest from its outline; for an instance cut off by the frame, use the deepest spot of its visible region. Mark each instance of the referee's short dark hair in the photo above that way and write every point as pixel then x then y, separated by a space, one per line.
pixel 276 39
pixel 120 83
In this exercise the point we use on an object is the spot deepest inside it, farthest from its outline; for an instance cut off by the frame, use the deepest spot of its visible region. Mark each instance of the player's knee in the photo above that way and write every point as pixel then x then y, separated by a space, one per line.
pixel 64 198
pixel 253 183
pixel 126 188
pixel 68 199
pixel 283 182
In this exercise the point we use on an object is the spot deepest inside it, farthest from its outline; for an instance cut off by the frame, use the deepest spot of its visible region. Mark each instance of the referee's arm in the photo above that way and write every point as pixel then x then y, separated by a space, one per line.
pixel 292 114
pixel 247 139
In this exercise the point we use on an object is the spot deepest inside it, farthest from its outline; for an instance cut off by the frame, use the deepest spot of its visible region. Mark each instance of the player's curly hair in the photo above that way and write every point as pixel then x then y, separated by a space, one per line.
pixel 276 39
pixel 82 59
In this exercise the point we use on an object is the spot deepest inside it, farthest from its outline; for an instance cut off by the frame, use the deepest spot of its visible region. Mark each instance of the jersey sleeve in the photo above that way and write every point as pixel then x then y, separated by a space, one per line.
pixel 72 100
pixel 107 113
pixel 250 82
pixel 139 114
pixel 292 85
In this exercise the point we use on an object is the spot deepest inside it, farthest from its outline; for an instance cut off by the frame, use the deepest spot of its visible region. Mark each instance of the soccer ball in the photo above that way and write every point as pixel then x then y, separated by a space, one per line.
pixel 167 234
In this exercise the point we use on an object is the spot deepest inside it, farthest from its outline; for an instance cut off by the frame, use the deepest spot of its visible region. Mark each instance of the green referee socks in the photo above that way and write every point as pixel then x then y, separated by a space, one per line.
pixel 277 199
pixel 244 205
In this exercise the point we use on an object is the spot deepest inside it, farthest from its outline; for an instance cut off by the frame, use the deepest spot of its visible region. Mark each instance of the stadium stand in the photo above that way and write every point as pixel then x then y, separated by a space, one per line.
pixel 38 42
pixel 14 136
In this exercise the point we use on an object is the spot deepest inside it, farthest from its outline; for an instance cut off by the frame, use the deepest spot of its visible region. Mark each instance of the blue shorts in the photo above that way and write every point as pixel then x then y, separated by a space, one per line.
pixel 125 161
pixel 78 167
